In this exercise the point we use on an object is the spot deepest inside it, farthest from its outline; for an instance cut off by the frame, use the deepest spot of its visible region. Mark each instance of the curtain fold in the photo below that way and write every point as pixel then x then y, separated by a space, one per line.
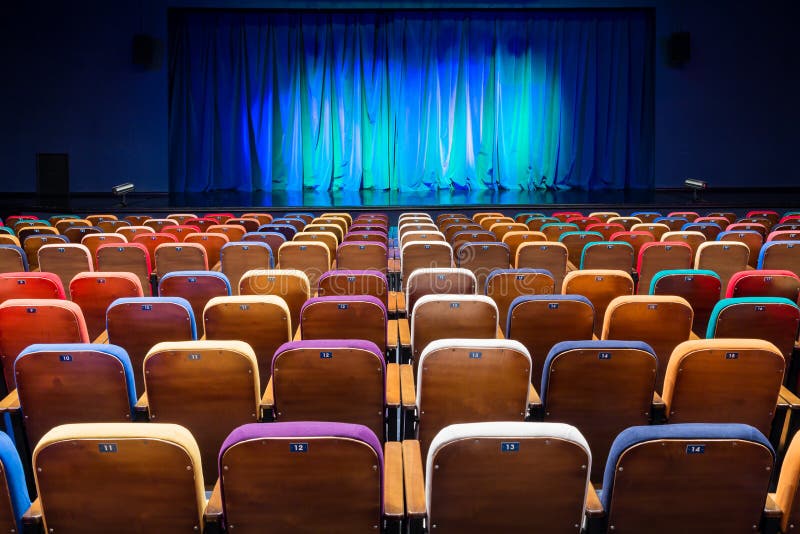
pixel 410 101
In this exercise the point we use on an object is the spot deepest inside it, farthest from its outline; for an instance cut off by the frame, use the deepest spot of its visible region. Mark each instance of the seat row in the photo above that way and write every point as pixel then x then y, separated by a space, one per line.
pixel 334 477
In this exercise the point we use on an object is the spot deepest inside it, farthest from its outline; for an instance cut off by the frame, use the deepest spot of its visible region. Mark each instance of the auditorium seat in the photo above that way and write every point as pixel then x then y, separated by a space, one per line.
pixel 451 229
pixel 219 217
pixel 241 256
pixel 541 321
pixel 312 258
pixel 328 239
pixel 348 317
pixel 112 226
pixel 505 285
pixel 616 255
pixel 172 257
pixel 748 227
pixel 13 487
pixel 674 223
pixel 575 243
pixel 137 220
pixel 60 383
pixel 709 230
pixel 234 232
pixel 29 321
pixel 95 291
pixel 553 231
pixel 208 387
pixel 693 239
pixel 600 387
pixel 544 469
pixel 75 234
pixel 660 256
pixel 600 286
pixel 30 285
pixel 647 216
pixel 772 216
pixel 636 239
pixel 778 235
pixel 722 257
pixel 65 261
pixel 130 232
pixel 762 283
pixel 10 239
pixel 339 230
pixel 781 255
pixel 212 242
pixel 722 222
pixel 549 255
pixel 772 319
pixel 729 216
pixel 93 241
pixel 289 284
pixel 201 222
pixel 158 224
pixel 479 216
pixel 481 258
pixel 733 380
pixel 354 484
pixel 626 221
pixel 663 322
pixel 604 215
pixel 406 226
pixel 362 255
pixel 248 223
pixel 180 231
pixel 262 218
pixel 654 229
pixel 133 477
pixel 152 241
pixel 359 282
pixel 451 316
pixel 24 233
pixel 136 324
pixel 687 478
pixel 424 254
pixel 501 229
pixel 688 215
pixel 701 289
pixel 606 229
pixel 273 239
pixel 563 216
pixel 464 380
pixel 341 214
pixel 341 374
pixel 438 281
pixel 370 236
pixel 515 238
pixel 126 257
pixel 197 287
pixel 752 239
pixel 261 321
pixel 583 221
pixel 181 218
pixel 62 225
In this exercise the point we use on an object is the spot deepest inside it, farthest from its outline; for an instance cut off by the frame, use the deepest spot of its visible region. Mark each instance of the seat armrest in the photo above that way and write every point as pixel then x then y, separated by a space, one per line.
pixel 414 480
pixel 393 385
pixel 32 518
pixel 393 501
pixel 102 338
pixel 404 329
pixel 298 335
pixel 408 392
pixel 595 515
pixel 500 334
pixel 10 403
pixel 658 410
pixel 267 402
pixel 772 516
pixel 401 303
pixel 693 336
pixel 392 334
pixel 789 398
pixel 534 404
pixel 212 515
pixel 141 410
pixel 217 267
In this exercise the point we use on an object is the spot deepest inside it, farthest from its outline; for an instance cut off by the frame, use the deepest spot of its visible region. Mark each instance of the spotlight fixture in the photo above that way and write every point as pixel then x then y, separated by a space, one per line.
pixel 696 186
pixel 121 190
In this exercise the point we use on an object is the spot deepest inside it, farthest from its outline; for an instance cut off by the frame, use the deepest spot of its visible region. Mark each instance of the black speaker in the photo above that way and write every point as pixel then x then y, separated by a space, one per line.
pixel 52 179
pixel 679 48
pixel 146 51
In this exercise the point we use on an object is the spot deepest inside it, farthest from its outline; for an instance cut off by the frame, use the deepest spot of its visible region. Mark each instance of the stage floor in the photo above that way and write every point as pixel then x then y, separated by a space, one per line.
pixel 392 201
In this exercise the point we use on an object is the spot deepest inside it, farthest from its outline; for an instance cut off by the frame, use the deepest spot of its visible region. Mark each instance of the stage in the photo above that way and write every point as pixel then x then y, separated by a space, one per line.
pixel 393 202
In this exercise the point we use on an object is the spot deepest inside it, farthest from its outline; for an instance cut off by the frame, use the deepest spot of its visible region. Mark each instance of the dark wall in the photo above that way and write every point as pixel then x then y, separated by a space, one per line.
pixel 729 116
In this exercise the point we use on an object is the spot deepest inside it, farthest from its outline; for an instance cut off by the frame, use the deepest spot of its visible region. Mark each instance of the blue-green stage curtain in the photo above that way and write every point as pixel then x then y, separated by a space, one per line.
pixel 411 101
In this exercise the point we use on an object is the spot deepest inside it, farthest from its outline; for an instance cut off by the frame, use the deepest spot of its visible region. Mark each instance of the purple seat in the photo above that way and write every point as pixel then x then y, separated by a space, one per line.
pixel 293 467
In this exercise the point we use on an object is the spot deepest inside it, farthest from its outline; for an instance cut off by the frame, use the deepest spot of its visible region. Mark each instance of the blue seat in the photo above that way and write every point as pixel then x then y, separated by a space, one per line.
pixel 13 485
pixel 687 478
pixel 601 387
